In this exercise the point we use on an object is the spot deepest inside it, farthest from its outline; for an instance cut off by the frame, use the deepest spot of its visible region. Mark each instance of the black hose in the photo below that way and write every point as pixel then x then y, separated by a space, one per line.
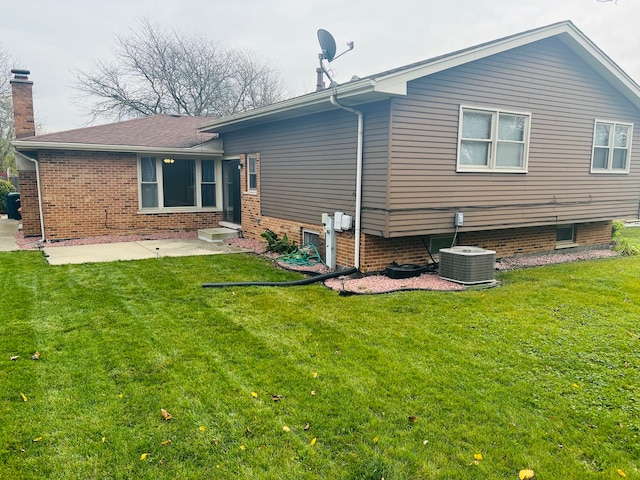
pixel 428 251
pixel 294 283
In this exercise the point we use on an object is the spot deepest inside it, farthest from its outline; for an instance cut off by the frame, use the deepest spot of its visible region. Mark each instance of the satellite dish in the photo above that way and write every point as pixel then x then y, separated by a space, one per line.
pixel 327 44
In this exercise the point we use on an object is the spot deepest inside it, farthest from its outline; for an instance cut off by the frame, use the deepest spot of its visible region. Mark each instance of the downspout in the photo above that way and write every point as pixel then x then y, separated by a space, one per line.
pixel 334 101
pixel 40 210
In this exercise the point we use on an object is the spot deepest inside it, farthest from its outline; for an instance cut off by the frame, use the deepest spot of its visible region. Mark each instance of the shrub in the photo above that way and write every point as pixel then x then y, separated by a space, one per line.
pixel 5 187
pixel 278 245
pixel 626 247
pixel 616 230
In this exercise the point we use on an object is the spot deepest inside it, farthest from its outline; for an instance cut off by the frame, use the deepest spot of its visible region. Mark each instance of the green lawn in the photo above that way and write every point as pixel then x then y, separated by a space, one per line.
pixel 541 373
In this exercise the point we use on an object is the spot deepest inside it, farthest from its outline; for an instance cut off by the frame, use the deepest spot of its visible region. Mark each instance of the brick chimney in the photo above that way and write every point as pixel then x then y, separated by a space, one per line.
pixel 21 90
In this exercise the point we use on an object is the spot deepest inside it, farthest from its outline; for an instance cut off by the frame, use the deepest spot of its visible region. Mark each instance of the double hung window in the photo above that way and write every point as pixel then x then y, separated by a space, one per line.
pixel 611 147
pixel 252 173
pixel 167 183
pixel 493 140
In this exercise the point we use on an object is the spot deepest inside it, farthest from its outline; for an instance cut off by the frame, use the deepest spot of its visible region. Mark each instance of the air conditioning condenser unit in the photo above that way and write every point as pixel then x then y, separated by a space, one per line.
pixel 467 265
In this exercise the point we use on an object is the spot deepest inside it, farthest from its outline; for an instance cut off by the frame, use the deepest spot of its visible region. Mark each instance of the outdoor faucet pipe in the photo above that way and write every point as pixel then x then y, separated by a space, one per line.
pixel 294 283
pixel 334 101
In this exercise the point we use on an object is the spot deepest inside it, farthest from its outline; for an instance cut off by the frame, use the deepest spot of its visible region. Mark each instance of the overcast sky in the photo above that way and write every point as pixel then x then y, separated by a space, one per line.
pixel 54 38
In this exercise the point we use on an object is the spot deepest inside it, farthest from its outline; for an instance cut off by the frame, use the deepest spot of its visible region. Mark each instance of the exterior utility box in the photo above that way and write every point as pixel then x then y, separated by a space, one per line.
pixel 467 265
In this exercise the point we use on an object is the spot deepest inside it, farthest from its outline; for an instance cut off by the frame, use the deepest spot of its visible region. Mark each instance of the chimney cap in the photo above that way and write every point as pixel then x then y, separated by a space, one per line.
pixel 20 71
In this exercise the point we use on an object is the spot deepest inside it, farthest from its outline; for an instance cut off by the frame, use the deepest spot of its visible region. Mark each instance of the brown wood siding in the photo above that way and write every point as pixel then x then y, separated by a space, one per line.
pixel 308 164
pixel 564 96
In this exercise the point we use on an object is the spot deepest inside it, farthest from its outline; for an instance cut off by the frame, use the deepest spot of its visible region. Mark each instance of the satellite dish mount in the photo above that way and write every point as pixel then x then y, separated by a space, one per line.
pixel 328 52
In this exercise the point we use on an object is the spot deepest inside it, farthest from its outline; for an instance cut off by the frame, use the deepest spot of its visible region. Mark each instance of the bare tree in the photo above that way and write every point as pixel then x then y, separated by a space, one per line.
pixel 173 73
pixel 7 159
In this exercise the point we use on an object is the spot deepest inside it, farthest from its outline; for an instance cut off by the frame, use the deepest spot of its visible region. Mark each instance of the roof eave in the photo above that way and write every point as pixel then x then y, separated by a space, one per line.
pixel 394 83
pixel 351 93
pixel 208 149
pixel 568 33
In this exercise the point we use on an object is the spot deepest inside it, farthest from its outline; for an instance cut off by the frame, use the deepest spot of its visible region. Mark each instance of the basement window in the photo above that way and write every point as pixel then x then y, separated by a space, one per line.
pixel 566 236
pixel 313 238
pixel 438 242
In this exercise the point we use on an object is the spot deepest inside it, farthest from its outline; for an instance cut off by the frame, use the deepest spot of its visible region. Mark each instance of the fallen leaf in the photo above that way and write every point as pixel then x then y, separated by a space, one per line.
pixel 104 439
pixel 165 442
pixel 14 358
pixel 286 429
pixel 248 431
pixel 313 392
pixel 24 397
pixel 120 395
pixel 413 419
pixel 243 448
pixel 477 456
pixel 621 473
pixel 526 474
pixel 424 442
pixel 307 427
pixel 144 456
pixel 254 394
pixel 276 398
pixel 215 441
pixel 166 415
pixel 201 428
pixel 314 374
pixel 375 439
pixel 35 356
pixel 37 439
pixel 575 385
pixel 313 441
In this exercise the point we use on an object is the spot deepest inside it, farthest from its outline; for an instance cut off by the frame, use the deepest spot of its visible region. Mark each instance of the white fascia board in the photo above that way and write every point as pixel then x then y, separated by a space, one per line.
pixel 566 32
pixel 199 150
pixel 395 83
pixel 601 63
pixel 446 62
pixel 317 99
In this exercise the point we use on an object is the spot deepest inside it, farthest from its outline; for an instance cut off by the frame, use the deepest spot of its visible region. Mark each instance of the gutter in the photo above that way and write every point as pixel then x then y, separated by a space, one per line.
pixel 196 150
pixel 40 210
pixel 334 101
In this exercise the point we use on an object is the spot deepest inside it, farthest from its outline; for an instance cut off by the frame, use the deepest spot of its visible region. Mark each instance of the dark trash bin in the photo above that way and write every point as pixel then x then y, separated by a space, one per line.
pixel 13 204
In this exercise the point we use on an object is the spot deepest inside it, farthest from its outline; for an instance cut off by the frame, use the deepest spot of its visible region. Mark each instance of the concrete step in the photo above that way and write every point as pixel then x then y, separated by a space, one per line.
pixel 217 234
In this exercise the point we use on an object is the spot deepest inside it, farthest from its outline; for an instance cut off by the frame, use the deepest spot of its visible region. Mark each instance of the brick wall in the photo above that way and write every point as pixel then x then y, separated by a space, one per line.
pixel 89 194
pixel 379 252
pixel 29 204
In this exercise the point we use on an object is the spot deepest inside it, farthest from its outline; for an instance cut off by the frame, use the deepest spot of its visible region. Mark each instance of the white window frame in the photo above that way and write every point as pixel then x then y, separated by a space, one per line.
pixel 252 173
pixel 493 141
pixel 566 243
pixel 611 148
pixel 160 190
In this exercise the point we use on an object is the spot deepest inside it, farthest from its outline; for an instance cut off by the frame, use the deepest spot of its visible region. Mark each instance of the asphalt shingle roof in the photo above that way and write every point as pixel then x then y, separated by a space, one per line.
pixel 169 131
